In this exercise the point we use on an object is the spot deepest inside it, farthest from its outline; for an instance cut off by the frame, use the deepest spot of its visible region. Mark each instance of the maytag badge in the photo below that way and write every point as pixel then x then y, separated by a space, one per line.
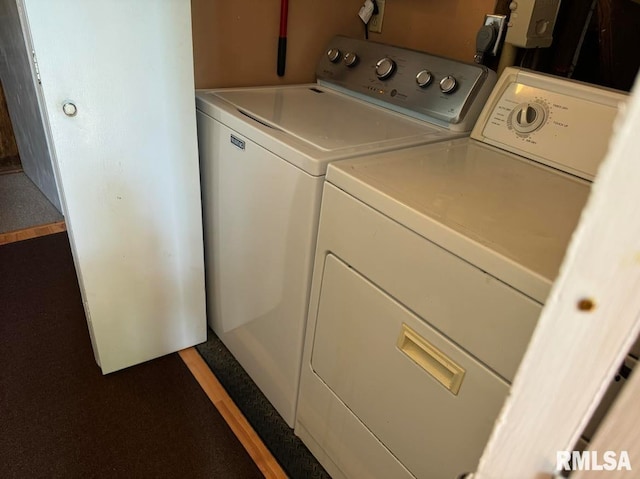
pixel 238 142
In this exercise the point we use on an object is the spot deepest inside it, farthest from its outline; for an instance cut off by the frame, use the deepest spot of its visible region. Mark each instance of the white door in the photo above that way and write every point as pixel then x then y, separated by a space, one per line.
pixel 125 150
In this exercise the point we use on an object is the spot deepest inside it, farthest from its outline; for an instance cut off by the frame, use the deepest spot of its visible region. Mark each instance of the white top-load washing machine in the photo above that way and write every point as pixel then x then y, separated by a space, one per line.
pixel 263 155
pixel 431 269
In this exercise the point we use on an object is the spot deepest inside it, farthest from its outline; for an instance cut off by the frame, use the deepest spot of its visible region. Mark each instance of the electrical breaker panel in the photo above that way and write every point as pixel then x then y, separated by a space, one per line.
pixel 531 22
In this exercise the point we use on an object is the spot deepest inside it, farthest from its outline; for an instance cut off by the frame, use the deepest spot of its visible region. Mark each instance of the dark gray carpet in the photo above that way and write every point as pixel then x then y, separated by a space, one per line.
pixel 22 205
pixel 61 418
pixel 290 452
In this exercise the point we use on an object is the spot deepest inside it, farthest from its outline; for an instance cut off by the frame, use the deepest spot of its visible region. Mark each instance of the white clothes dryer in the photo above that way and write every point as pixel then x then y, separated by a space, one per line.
pixel 263 156
pixel 431 269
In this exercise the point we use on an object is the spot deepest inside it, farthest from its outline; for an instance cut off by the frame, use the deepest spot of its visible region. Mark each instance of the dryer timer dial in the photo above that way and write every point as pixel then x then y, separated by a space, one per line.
pixel 528 117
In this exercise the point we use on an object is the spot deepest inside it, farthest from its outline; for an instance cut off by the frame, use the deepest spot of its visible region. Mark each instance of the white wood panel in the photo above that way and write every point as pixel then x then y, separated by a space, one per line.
pixel 574 352
pixel 128 168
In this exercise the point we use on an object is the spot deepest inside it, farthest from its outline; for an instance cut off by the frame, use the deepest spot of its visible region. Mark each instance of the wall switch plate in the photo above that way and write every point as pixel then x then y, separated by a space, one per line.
pixel 375 24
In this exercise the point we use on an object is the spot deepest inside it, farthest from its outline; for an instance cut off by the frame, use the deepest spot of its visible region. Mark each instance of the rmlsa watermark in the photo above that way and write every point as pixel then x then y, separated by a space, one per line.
pixel 592 461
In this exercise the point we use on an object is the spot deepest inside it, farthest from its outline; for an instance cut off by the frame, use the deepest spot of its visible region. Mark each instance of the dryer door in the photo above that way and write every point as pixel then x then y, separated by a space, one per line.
pixel 431 404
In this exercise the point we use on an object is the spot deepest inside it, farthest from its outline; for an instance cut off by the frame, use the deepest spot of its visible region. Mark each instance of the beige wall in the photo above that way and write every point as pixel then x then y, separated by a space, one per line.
pixel 441 27
pixel 235 41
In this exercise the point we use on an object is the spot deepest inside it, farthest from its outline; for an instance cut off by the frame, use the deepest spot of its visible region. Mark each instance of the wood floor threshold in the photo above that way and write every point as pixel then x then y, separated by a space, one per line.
pixel 32 232
pixel 10 170
pixel 232 415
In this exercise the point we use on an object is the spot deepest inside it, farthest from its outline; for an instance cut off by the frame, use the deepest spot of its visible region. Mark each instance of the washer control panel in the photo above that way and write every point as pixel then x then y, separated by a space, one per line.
pixel 430 87
pixel 556 121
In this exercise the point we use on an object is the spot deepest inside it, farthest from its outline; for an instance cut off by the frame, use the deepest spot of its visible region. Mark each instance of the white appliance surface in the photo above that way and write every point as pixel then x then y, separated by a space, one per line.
pixel 263 155
pixel 311 125
pixel 127 167
pixel 465 237
pixel 509 216
pixel 394 393
pixel 260 225
pixel 337 122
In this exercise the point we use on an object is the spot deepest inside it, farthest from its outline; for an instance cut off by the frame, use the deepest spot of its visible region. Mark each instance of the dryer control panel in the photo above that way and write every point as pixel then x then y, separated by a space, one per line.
pixel 441 90
pixel 559 122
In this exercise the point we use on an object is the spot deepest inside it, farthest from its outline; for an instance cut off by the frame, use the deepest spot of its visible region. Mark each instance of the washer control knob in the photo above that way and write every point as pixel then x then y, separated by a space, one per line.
pixel 69 108
pixel 334 55
pixel 448 84
pixel 424 78
pixel 528 117
pixel 350 59
pixel 385 68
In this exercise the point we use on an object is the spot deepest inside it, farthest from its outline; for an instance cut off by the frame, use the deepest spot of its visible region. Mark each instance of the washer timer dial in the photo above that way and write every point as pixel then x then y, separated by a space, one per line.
pixel 385 68
pixel 528 117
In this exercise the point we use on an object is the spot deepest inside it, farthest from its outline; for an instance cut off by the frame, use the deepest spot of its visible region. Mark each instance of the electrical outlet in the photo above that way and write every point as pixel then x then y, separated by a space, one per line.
pixel 375 24
pixel 499 23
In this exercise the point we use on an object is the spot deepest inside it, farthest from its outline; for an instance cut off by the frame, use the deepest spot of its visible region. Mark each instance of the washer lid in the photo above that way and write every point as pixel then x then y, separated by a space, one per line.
pixel 507 215
pixel 325 119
